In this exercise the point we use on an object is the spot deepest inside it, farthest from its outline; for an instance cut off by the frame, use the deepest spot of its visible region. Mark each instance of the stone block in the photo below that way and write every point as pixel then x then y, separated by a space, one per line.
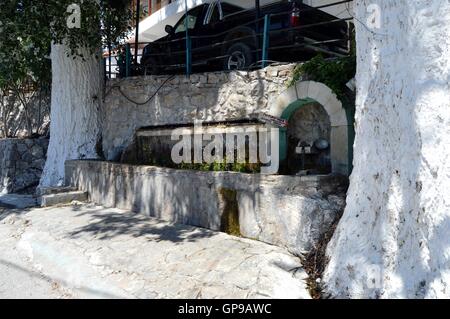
pixel 339 150
pixel 54 190
pixel 37 151
pixel 21 163
pixel 213 78
pixel 63 198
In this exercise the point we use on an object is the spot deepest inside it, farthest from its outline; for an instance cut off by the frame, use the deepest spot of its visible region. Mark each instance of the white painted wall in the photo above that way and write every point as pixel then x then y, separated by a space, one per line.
pixel 393 241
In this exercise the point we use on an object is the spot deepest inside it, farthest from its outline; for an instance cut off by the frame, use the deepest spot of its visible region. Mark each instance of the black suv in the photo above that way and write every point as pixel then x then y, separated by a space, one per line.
pixel 227 37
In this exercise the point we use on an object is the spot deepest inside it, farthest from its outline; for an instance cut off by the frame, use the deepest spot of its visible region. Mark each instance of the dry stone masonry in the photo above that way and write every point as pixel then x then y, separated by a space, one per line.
pixel 204 97
pixel 21 162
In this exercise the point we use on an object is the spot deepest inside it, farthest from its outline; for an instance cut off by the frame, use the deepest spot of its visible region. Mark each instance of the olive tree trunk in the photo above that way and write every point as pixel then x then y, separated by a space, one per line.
pixel 75 118
pixel 394 238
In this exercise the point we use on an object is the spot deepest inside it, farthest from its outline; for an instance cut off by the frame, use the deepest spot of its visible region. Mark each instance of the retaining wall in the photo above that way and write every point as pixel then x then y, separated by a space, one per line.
pixel 208 97
pixel 291 212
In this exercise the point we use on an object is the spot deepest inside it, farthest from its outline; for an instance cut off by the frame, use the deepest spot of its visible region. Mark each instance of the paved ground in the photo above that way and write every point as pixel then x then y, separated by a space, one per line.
pixel 92 252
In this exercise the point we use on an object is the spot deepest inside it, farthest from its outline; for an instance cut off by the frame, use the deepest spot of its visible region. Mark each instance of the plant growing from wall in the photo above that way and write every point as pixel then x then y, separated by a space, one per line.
pixel 218 167
pixel 335 73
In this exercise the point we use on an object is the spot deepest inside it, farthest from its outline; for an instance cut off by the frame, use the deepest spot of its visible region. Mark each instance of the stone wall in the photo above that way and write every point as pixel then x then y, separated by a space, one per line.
pixel 18 122
pixel 155 146
pixel 309 124
pixel 204 97
pixel 21 163
pixel 291 212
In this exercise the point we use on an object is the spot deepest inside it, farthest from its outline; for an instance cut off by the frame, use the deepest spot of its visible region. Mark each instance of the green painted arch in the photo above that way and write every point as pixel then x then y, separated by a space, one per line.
pixel 341 118
pixel 295 106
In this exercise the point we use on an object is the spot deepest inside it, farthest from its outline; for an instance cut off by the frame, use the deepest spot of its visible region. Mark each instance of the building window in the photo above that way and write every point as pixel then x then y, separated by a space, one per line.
pixel 148 7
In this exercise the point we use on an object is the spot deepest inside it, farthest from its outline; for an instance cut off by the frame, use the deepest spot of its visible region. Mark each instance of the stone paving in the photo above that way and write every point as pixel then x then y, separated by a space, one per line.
pixel 85 251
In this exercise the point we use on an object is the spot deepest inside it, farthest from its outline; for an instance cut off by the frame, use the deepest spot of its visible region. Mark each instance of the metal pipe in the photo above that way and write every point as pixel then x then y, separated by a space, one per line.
pixel 110 61
pixel 188 42
pixel 258 14
pixel 258 9
pixel 266 40
pixel 127 59
pixel 136 39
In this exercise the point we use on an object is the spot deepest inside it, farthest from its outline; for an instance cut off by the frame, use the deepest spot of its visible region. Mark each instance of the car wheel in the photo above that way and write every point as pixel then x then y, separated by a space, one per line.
pixel 239 57
pixel 151 67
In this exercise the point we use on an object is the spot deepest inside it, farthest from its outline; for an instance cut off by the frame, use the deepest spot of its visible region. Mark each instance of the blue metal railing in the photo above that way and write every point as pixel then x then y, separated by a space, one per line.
pixel 265 49
pixel 127 64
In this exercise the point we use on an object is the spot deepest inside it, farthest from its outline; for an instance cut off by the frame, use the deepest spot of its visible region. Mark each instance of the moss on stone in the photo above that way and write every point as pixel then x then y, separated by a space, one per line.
pixel 230 212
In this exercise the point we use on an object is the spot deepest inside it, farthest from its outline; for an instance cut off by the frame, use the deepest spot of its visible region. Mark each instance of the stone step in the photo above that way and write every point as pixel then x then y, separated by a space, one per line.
pixel 55 190
pixel 63 198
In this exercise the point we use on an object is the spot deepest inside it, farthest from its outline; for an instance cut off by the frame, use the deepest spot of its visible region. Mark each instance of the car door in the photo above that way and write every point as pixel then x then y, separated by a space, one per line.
pixel 204 42
pixel 177 40
pixel 210 35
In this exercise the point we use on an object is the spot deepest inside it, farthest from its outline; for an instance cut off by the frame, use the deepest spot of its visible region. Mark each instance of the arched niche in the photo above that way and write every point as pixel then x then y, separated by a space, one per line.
pixel 307 92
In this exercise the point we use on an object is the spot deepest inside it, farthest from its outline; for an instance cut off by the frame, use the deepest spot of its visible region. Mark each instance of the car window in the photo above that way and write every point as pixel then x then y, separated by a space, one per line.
pixel 215 17
pixel 221 10
pixel 191 17
pixel 228 9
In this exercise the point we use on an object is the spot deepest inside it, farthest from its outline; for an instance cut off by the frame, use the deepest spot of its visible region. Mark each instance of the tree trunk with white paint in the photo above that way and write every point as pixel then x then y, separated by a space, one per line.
pixel 75 118
pixel 394 238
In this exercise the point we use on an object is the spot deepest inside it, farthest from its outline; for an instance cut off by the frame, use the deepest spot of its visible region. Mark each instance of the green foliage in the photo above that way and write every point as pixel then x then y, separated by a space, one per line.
pixel 24 48
pixel 103 23
pixel 335 73
pixel 27 28
pixel 215 167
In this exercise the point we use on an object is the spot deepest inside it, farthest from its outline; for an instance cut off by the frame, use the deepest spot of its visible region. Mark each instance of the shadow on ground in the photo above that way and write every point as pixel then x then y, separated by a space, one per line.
pixel 5 212
pixel 105 225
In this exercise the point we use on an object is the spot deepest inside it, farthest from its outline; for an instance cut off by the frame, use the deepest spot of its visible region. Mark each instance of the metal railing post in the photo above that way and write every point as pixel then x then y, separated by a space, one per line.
pixel 257 28
pixel 136 38
pixel 127 59
pixel 110 62
pixel 188 42
pixel 266 40
pixel 105 75
pixel 188 57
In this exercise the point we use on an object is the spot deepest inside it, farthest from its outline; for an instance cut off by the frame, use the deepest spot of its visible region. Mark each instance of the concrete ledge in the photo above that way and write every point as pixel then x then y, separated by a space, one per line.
pixel 287 211
pixel 63 198
pixel 54 190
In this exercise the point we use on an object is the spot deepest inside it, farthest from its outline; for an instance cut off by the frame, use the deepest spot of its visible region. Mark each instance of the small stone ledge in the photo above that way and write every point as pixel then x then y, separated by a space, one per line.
pixel 62 198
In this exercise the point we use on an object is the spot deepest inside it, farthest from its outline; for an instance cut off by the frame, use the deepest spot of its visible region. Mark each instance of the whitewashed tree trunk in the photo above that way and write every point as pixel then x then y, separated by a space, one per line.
pixel 394 238
pixel 75 127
